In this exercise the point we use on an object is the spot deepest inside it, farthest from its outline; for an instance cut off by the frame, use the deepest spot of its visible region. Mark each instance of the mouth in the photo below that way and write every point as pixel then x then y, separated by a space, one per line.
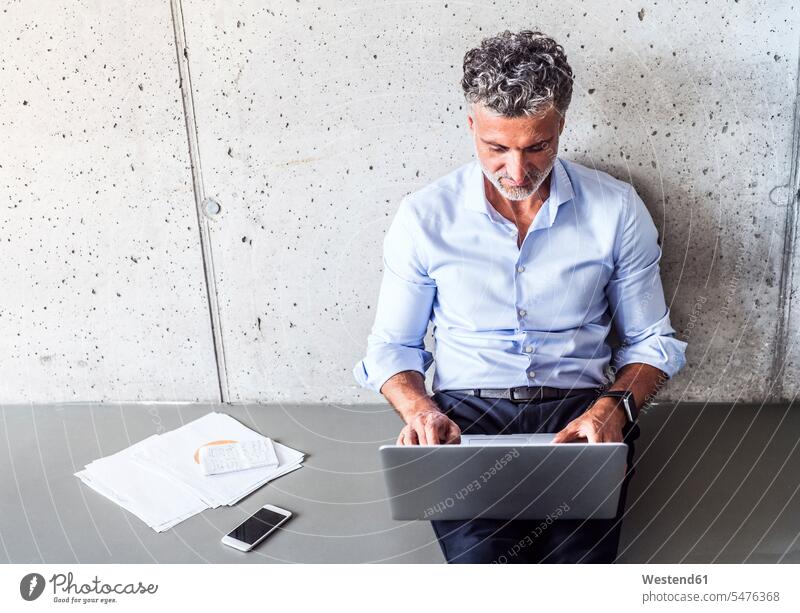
pixel 517 185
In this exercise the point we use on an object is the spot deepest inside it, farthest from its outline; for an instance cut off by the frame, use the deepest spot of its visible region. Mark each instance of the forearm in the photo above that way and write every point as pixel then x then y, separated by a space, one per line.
pixel 643 380
pixel 406 392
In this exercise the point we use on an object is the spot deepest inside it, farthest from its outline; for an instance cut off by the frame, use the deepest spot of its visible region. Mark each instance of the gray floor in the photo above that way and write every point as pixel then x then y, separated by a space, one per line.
pixel 714 483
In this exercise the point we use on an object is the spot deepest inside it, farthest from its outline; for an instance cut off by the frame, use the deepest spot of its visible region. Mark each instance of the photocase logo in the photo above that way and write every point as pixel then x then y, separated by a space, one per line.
pixel 31 586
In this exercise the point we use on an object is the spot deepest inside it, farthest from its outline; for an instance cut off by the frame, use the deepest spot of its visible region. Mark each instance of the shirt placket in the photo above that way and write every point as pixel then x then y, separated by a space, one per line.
pixel 526 344
pixel 521 267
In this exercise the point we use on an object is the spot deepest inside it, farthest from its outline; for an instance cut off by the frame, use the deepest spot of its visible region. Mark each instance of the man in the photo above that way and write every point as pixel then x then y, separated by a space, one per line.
pixel 522 261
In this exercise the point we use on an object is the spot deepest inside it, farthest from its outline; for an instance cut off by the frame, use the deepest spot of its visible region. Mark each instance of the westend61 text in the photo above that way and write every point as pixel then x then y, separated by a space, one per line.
pixel 675 580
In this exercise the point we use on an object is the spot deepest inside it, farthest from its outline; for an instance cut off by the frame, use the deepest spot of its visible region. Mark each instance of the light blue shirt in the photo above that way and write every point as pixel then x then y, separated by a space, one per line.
pixel 506 316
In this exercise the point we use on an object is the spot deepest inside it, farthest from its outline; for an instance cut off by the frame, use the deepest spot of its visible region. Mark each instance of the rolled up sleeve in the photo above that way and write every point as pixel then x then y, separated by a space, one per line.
pixel 636 296
pixel 396 342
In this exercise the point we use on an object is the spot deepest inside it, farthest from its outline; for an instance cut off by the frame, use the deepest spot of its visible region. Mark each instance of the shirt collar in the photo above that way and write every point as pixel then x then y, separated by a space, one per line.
pixel 560 191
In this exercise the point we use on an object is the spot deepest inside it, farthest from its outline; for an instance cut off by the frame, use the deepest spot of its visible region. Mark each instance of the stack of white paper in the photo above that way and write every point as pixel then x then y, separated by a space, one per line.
pixel 160 480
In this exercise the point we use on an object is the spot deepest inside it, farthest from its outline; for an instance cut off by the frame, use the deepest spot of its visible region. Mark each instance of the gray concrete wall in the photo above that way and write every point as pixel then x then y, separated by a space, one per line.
pixel 307 122
pixel 102 280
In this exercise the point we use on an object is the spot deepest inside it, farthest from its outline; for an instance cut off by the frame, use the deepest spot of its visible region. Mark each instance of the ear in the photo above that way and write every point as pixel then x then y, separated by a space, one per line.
pixel 561 124
pixel 470 123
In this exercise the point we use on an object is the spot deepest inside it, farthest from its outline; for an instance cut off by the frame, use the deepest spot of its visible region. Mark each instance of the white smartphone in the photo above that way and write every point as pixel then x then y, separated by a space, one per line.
pixel 256 528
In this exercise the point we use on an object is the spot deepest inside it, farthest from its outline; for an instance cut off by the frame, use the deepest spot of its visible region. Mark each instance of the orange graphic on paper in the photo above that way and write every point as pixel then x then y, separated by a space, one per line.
pixel 197 453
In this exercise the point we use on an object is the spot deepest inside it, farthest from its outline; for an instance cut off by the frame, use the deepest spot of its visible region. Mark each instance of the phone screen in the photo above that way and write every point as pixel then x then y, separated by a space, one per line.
pixel 257 526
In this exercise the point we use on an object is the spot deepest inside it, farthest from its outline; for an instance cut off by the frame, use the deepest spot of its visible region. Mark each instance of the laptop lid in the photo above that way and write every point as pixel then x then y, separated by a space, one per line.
pixel 504 479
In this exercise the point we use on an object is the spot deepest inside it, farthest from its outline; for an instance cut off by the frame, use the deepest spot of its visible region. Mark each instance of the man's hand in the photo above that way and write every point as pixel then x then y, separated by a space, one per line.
pixel 429 427
pixel 425 422
pixel 601 423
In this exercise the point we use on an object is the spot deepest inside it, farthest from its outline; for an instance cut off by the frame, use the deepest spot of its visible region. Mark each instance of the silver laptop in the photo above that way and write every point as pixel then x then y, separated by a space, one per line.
pixel 516 476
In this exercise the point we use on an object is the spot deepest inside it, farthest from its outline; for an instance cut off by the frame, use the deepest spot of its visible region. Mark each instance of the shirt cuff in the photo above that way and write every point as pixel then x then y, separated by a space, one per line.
pixel 376 369
pixel 661 351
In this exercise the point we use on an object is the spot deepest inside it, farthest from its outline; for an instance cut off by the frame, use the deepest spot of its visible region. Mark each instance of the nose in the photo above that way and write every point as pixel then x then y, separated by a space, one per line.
pixel 515 168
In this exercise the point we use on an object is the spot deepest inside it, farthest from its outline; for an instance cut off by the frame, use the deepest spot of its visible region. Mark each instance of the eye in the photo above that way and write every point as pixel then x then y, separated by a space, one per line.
pixel 538 148
pixel 497 149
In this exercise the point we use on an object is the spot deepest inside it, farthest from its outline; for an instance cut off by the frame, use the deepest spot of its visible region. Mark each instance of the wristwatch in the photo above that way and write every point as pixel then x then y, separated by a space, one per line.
pixel 628 403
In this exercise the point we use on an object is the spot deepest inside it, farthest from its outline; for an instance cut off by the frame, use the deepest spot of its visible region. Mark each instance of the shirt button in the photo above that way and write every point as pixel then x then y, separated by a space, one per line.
pixel 531 374
pixel 528 349
pixel 520 269
pixel 523 312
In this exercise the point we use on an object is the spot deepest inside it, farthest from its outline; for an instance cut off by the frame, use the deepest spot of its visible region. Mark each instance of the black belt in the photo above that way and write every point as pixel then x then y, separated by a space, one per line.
pixel 529 393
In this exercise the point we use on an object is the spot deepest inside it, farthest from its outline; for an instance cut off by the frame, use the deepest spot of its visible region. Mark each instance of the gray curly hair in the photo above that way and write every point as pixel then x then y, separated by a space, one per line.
pixel 516 74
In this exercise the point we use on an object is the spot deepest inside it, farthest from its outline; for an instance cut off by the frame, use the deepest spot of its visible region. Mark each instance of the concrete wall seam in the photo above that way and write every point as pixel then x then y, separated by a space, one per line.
pixel 785 294
pixel 203 222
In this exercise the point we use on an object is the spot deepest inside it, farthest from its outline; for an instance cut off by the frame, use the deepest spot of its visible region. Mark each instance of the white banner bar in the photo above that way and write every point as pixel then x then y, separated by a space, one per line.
pixel 399 588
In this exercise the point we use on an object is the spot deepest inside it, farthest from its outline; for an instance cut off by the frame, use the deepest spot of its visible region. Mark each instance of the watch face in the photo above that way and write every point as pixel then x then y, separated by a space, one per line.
pixel 626 402
pixel 630 407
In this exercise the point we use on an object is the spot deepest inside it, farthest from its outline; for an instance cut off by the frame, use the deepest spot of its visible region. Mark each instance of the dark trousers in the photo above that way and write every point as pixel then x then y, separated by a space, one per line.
pixel 527 541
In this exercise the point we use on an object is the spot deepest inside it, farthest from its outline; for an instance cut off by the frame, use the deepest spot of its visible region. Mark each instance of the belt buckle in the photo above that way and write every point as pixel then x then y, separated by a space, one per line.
pixel 512 392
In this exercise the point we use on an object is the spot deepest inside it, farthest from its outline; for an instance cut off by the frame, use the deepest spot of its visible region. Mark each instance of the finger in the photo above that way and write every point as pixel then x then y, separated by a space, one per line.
pixel 419 431
pixel 445 431
pixel 408 436
pixel 591 435
pixel 403 438
pixel 453 433
pixel 609 435
pixel 566 435
pixel 431 433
